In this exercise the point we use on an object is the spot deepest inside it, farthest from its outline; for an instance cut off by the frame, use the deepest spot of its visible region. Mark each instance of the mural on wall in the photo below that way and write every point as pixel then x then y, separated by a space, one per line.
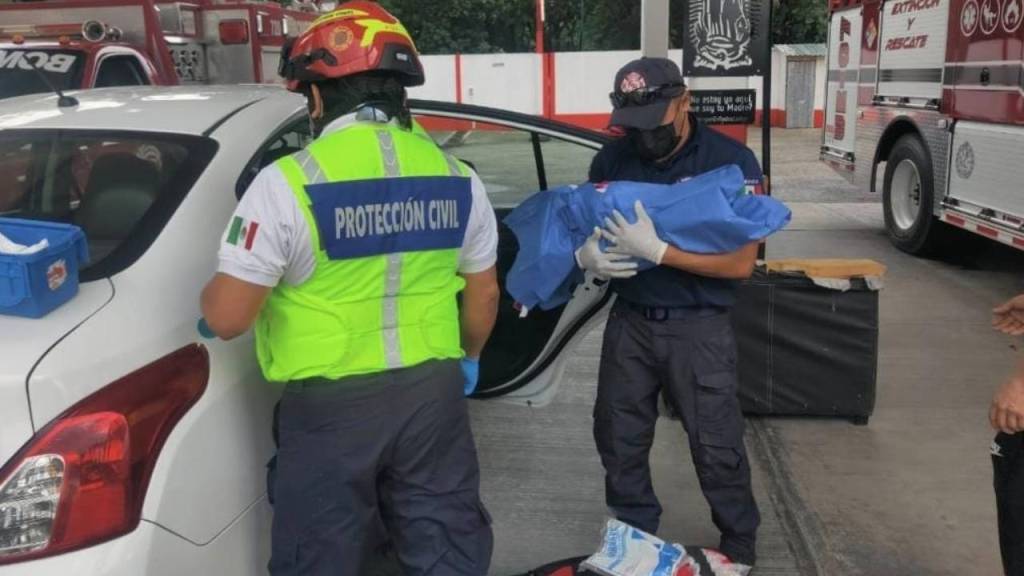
pixel 724 38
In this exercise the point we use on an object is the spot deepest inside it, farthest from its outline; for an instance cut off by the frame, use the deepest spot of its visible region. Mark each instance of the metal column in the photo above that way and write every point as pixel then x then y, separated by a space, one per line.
pixel 766 114
pixel 654 28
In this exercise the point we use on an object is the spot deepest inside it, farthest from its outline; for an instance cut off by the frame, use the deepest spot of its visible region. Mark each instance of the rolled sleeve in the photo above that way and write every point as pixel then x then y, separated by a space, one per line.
pixel 247 273
pixel 480 246
pixel 256 246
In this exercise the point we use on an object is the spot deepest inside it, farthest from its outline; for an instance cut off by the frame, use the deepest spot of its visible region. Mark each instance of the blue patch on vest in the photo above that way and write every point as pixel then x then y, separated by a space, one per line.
pixel 388 215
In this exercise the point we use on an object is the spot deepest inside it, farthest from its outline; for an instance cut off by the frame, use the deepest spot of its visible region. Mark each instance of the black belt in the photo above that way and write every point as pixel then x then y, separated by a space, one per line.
pixel 660 314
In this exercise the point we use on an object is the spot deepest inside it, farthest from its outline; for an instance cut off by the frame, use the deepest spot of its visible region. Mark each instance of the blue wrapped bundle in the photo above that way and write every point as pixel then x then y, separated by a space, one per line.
pixel 708 214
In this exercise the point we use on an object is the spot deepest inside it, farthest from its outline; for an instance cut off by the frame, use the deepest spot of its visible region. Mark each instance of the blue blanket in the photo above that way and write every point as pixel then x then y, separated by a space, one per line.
pixel 708 214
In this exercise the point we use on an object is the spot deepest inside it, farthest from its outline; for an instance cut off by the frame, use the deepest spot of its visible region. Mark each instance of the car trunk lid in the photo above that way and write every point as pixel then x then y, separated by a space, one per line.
pixel 23 342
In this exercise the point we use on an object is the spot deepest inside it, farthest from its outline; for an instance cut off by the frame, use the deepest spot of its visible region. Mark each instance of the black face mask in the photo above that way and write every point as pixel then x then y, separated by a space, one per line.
pixel 656 143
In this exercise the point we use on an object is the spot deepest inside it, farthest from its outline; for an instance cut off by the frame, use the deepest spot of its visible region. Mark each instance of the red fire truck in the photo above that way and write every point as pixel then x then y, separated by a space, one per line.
pixel 72 44
pixel 933 90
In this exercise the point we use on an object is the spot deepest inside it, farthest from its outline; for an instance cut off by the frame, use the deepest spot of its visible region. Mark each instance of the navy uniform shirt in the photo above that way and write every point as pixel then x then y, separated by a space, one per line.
pixel 705 150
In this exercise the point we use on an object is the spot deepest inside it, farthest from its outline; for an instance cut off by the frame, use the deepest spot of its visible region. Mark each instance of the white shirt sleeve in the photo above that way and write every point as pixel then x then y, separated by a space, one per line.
pixel 480 246
pixel 267 238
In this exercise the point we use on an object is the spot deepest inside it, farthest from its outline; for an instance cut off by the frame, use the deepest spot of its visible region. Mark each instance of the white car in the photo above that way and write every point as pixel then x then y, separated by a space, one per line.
pixel 129 444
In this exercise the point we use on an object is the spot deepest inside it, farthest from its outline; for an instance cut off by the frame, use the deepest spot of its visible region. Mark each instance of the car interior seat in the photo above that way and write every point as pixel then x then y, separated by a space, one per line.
pixel 119 191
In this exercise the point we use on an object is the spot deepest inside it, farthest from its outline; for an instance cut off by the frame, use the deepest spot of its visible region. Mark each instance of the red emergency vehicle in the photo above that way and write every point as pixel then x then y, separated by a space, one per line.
pixel 76 44
pixel 933 90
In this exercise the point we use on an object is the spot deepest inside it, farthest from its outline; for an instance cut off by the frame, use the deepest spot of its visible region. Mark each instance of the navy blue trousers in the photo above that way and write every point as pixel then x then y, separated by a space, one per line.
pixel 692 360
pixel 365 459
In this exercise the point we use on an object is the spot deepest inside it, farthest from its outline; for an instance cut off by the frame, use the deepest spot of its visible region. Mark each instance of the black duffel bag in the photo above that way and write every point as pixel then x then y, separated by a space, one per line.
pixel 567 567
pixel 570 566
pixel 805 350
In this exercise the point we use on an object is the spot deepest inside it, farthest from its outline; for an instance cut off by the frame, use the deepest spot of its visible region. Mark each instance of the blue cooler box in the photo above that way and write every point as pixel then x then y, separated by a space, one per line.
pixel 32 285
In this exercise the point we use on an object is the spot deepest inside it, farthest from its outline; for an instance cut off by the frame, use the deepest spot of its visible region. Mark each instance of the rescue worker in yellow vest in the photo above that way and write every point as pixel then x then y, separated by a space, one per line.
pixel 348 257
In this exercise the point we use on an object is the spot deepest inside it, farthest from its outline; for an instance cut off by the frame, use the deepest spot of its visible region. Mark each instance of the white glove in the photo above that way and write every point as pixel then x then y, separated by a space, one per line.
pixel 639 239
pixel 602 264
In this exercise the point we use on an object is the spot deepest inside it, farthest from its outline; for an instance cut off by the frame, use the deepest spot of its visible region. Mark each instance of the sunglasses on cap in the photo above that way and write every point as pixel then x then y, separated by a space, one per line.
pixel 645 96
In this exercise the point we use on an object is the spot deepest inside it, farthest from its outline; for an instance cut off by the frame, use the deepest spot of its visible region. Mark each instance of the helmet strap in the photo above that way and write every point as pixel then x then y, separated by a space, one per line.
pixel 316 111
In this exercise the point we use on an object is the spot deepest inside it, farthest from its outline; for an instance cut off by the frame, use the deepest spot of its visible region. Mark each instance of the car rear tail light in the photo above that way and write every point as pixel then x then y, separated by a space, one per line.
pixel 82 479
pixel 234 32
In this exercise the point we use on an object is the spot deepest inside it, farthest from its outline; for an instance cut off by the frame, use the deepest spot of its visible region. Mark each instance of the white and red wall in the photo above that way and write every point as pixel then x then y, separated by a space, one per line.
pixel 573 86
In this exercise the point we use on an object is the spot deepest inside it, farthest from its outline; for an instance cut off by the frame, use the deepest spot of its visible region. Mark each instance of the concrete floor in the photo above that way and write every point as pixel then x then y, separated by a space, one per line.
pixel 908 494
pixel 544 485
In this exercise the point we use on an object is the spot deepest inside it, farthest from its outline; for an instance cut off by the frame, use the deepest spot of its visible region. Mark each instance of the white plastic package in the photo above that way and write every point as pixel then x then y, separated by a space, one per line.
pixel 627 551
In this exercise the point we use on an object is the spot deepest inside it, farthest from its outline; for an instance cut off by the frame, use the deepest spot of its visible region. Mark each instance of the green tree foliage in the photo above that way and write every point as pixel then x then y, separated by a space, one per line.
pixel 483 26
pixel 605 24
pixel 562 29
pixel 467 26
pixel 800 21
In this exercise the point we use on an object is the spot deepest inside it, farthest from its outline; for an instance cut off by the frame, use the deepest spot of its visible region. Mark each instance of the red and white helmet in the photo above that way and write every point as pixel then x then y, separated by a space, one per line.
pixel 357 37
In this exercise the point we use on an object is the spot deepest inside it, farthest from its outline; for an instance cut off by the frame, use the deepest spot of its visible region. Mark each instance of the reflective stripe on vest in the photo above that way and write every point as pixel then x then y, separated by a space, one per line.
pixel 428 322
pixel 392 351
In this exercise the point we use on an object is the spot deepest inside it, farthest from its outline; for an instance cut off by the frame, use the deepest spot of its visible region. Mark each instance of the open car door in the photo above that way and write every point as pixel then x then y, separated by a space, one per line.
pixel 517 155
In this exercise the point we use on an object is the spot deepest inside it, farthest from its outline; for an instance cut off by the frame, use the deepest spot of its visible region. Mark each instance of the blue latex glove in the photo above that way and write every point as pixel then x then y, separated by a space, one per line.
pixel 471 370
pixel 204 329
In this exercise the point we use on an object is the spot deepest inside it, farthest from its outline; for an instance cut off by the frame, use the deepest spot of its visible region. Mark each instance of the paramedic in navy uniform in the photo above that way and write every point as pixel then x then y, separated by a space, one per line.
pixel 669 329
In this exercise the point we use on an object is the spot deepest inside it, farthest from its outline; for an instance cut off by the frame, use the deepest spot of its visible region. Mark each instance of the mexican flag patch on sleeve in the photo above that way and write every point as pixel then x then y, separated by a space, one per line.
pixel 242 232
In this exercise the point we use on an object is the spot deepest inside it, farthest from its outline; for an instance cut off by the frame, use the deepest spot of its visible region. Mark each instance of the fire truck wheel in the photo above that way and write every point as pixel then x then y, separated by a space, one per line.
pixel 908 197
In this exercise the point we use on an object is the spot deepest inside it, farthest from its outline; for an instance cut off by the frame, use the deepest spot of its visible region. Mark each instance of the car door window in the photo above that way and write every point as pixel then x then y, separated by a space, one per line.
pixel 121 70
pixel 565 163
pixel 513 164
pixel 293 137
pixel 503 158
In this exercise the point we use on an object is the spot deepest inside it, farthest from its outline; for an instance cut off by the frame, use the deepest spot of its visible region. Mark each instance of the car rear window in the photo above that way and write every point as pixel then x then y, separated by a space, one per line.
pixel 26 71
pixel 120 188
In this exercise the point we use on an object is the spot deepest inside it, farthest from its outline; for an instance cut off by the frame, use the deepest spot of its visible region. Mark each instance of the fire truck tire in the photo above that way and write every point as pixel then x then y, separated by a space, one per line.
pixel 908 198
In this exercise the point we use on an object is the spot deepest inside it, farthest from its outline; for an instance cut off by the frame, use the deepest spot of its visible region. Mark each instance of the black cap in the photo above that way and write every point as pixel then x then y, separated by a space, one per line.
pixel 646 73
